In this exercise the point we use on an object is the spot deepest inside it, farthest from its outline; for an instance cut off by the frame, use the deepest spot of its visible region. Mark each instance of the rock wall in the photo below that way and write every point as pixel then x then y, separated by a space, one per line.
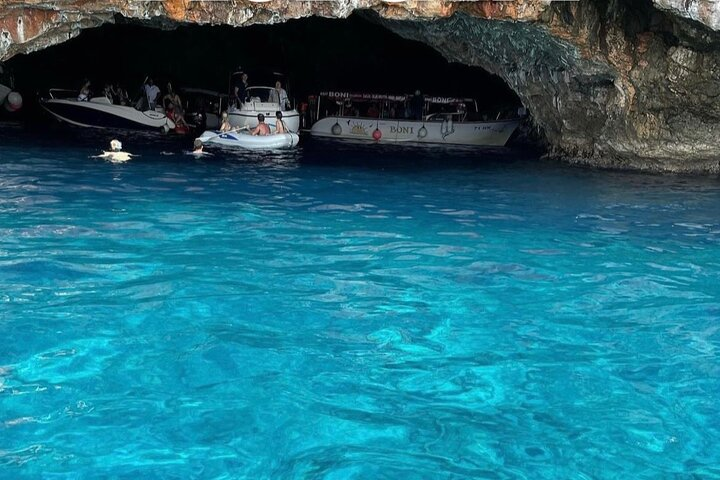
pixel 611 83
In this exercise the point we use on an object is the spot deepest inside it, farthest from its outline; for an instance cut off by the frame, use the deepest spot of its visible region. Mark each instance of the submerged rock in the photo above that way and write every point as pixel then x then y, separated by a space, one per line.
pixel 619 83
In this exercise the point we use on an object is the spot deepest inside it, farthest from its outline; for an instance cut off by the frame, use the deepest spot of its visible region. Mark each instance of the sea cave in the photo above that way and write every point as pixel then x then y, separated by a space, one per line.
pixel 619 84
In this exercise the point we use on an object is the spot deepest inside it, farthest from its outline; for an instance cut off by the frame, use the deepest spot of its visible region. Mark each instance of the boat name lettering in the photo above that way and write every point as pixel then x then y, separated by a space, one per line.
pixel 399 129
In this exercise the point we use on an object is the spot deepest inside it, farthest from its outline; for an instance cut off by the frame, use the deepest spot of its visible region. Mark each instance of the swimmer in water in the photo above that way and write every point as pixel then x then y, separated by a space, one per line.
pixel 115 155
pixel 198 147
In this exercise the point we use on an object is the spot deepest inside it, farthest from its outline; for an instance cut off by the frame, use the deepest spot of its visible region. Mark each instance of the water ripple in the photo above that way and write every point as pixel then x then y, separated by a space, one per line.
pixel 408 315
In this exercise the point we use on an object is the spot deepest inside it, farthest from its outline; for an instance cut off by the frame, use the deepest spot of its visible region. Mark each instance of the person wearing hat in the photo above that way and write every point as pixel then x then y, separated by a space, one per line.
pixel 116 155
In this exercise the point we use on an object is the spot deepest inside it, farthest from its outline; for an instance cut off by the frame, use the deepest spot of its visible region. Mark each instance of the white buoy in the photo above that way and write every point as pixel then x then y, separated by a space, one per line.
pixel 13 102
pixel 336 129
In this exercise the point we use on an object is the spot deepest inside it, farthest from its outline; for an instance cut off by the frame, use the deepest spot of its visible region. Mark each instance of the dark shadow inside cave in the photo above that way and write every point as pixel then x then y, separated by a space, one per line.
pixel 315 53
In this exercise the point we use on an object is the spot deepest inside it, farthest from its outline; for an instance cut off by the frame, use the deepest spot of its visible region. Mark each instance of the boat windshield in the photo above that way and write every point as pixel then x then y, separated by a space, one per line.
pixel 457 109
pixel 259 94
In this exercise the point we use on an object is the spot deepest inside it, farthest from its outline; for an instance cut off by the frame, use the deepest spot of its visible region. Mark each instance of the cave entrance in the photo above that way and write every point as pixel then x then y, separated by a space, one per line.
pixel 314 54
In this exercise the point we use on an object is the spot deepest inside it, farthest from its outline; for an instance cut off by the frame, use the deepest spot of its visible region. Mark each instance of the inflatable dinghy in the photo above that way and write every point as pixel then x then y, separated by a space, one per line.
pixel 245 140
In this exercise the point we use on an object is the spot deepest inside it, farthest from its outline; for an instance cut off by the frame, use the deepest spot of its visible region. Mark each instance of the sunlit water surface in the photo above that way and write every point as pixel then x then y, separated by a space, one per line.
pixel 352 313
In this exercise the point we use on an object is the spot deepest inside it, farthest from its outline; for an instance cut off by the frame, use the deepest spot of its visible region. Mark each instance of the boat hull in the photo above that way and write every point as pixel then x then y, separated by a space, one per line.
pixel 105 115
pixel 493 134
pixel 251 142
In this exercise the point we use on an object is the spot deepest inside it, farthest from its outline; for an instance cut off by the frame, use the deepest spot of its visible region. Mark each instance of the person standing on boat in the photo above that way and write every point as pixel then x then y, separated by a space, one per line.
pixel 173 107
pixel 280 126
pixel 242 88
pixel 262 128
pixel 152 92
pixel 279 96
pixel 239 89
pixel 171 100
pixel 417 102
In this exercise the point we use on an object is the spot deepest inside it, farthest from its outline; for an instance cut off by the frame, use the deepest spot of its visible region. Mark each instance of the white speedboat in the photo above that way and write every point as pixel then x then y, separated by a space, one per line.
pixel 274 141
pixel 10 99
pixel 380 118
pixel 100 112
pixel 261 100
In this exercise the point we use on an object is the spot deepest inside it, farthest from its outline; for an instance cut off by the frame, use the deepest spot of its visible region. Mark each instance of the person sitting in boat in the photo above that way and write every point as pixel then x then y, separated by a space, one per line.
pixel 279 95
pixel 109 93
pixel 152 92
pixel 373 111
pixel 262 128
pixel 85 92
pixel 225 125
pixel 115 155
pixel 121 95
pixel 280 126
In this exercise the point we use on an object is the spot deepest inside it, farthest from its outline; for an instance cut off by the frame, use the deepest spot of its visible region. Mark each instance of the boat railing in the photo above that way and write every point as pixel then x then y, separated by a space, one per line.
pixel 440 116
pixel 62 93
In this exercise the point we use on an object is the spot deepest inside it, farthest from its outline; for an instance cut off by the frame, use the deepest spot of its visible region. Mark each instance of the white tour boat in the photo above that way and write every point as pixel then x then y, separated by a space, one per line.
pixel 244 140
pixel 100 112
pixel 262 100
pixel 380 118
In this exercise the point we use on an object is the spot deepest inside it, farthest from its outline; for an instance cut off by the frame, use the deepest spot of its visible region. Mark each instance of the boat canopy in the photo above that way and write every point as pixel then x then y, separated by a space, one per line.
pixel 375 97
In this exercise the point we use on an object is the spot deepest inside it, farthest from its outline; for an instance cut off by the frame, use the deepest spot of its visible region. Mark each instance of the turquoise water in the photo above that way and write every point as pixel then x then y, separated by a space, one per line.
pixel 353 314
